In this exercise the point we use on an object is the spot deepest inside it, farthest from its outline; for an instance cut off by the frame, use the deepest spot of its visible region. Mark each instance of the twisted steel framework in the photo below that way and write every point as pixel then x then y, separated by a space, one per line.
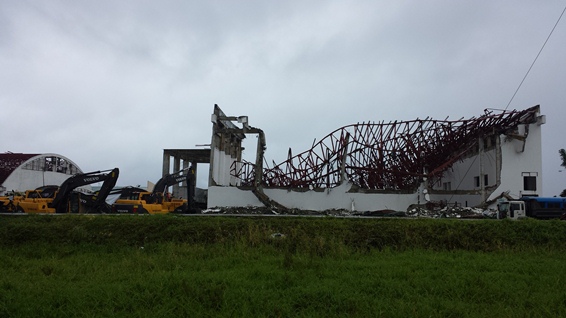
pixel 387 156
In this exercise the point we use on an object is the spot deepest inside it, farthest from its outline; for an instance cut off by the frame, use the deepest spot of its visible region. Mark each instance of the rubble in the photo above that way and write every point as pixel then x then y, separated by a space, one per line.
pixel 449 212
pixel 275 211
pixel 412 212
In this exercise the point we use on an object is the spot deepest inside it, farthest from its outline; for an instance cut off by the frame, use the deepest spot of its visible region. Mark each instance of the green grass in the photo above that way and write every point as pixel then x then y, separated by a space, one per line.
pixel 169 266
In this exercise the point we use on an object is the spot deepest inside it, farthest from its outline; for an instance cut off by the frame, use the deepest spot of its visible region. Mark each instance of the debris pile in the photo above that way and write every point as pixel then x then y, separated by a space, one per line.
pixel 412 212
pixel 275 211
pixel 449 212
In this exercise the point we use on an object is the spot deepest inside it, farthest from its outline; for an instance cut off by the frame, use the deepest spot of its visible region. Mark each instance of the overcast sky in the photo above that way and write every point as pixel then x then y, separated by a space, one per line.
pixel 113 83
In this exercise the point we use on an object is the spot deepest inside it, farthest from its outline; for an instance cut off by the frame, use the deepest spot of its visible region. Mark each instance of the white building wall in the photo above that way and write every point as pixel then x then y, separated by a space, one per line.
pixel 461 175
pixel 334 198
pixel 219 196
pixel 458 200
pixel 517 162
pixel 22 180
pixel 221 168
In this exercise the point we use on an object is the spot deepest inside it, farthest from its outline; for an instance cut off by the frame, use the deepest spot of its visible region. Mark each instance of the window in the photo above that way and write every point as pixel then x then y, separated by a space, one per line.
pixel 49 163
pixel 447 186
pixel 477 180
pixel 530 181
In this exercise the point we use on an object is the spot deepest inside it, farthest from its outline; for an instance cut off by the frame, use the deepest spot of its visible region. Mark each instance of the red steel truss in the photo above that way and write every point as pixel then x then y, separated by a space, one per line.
pixel 387 156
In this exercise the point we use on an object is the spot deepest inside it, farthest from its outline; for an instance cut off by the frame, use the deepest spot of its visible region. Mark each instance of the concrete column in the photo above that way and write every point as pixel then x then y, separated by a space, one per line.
pixel 166 164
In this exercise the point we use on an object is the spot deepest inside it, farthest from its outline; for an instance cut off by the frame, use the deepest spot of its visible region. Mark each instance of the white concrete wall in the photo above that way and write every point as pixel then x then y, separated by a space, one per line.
pixel 462 174
pixel 222 163
pixel 460 200
pixel 516 162
pixel 22 180
pixel 335 198
pixel 219 196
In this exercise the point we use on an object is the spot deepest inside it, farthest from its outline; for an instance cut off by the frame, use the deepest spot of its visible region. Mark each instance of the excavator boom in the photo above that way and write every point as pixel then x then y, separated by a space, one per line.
pixel 50 199
pixel 139 201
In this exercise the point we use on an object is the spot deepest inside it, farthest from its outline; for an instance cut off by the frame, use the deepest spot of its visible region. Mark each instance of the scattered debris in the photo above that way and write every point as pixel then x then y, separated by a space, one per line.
pixel 448 212
pixel 412 212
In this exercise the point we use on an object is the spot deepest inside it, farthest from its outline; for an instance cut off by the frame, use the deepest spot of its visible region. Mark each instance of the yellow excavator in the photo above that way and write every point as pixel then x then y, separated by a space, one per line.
pixel 138 201
pixel 65 199
pixel 9 202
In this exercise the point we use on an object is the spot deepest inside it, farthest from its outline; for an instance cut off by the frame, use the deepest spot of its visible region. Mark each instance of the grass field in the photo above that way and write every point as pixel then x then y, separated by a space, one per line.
pixel 169 266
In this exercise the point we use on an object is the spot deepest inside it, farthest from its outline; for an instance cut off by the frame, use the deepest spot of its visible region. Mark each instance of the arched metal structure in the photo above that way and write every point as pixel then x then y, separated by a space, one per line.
pixel 20 172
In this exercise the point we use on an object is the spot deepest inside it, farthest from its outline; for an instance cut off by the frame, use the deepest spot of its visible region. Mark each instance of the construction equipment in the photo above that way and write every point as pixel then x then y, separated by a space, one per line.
pixel 137 201
pixel 65 199
pixel 8 203
pixel 37 200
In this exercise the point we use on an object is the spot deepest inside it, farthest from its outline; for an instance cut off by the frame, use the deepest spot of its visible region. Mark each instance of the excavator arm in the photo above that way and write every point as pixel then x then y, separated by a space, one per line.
pixel 107 186
pixel 169 180
pixel 109 178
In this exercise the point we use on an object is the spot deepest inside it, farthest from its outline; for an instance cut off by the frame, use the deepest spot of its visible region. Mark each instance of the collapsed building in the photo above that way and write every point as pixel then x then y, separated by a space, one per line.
pixel 383 166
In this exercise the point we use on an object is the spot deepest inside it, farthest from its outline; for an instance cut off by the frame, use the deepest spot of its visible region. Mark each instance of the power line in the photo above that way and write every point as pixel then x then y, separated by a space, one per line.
pixel 512 97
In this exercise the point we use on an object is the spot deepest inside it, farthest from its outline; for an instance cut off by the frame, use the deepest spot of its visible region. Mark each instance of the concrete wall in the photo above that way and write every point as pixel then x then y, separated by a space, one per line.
pixel 518 159
pixel 222 164
pixel 461 175
pixel 517 162
pixel 21 180
pixel 334 198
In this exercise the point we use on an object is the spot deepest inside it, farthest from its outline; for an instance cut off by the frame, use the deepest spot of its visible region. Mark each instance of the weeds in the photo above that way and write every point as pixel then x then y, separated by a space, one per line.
pixel 192 266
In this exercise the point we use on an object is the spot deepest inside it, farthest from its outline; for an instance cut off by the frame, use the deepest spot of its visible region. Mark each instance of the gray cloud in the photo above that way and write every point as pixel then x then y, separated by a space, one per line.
pixel 109 83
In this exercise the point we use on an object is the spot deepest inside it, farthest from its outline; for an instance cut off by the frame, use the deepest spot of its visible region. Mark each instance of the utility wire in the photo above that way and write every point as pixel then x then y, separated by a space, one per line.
pixel 535 59
pixel 462 179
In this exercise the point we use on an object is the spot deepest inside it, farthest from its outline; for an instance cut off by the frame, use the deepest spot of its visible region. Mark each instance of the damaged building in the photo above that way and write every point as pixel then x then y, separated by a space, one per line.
pixel 385 165
pixel 20 171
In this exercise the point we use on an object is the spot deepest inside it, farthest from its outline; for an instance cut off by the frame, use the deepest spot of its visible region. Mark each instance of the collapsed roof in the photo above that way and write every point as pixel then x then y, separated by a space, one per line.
pixel 388 156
